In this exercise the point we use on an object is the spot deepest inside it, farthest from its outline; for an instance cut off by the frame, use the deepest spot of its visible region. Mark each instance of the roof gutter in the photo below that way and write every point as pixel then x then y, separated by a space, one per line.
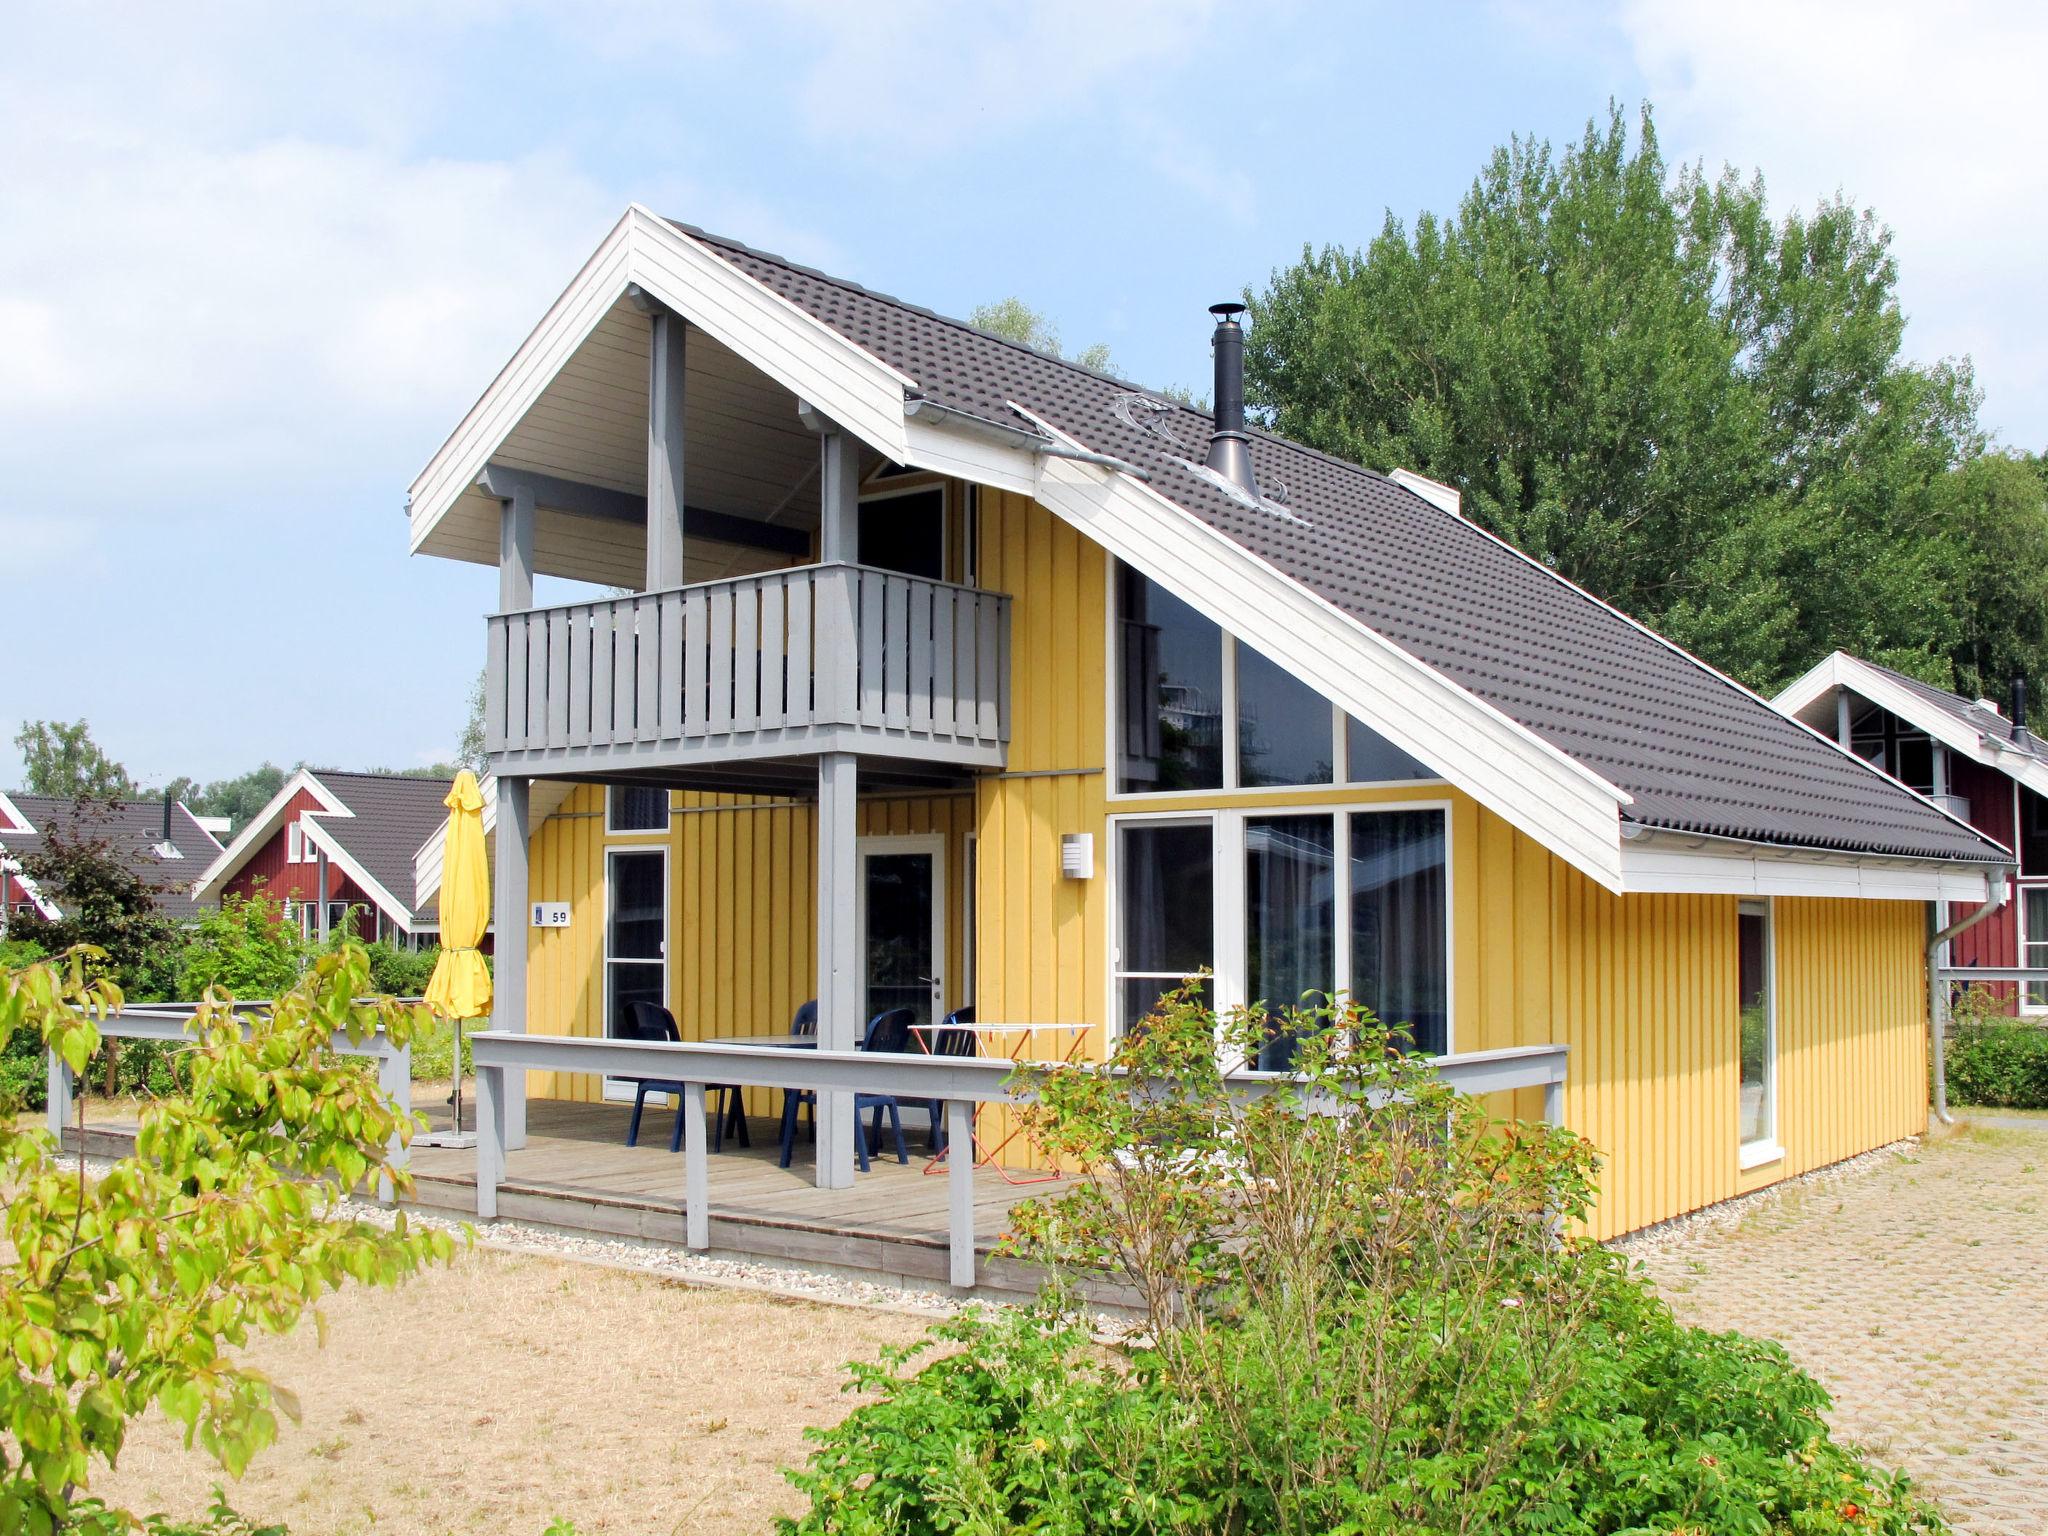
pixel 1016 437
pixel 1937 989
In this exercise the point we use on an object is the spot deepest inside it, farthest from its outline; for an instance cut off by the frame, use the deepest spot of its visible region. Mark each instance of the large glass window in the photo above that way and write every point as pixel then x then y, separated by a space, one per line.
pixel 1167 930
pixel 1283 725
pixel 1290 903
pixel 2034 941
pixel 2033 811
pixel 1369 758
pixel 1904 751
pixel 635 808
pixel 1174 669
pixel 1171 691
pixel 1400 954
pixel 1756 1109
pixel 636 933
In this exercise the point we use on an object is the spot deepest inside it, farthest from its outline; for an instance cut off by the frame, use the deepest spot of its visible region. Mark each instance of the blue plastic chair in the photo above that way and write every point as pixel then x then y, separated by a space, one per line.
pixel 653 1022
pixel 888 1030
pixel 953 1037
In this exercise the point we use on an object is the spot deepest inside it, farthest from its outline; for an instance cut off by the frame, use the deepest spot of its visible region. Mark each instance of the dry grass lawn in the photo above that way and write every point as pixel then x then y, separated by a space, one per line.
pixel 507 1390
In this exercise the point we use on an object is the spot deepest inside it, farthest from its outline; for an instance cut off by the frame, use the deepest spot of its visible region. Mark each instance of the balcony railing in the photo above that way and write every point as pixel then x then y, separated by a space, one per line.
pixel 817 658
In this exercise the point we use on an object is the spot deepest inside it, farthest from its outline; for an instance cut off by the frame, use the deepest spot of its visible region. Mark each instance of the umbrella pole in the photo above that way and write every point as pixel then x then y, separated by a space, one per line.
pixel 457 1025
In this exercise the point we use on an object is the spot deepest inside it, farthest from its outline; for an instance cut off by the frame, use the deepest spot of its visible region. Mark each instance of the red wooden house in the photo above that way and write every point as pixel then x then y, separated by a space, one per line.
pixel 340 847
pixel 1976 759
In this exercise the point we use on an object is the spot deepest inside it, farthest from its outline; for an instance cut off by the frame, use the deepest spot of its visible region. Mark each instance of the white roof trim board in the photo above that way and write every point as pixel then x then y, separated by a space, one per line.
pixel 11 815
pixel 1532 784
pixel 9 865
pixel 318 835
pixel 262 827
pixel 1841 670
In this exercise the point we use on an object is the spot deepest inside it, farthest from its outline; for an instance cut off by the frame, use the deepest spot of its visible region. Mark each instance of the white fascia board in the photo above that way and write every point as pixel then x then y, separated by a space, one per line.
pixel 322 839
pixel 262 827
pixel 1674 863
pixel 1841 670
pixel 16 821
pixel 800 352
pixel 1499 762
pixel 9 865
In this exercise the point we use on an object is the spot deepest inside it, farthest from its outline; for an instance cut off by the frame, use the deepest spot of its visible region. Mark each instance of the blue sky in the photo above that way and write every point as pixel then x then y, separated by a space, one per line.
pixel 256 261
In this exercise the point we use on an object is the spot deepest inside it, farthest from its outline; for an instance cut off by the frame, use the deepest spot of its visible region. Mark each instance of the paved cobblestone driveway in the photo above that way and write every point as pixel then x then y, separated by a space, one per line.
pixel 1916 1288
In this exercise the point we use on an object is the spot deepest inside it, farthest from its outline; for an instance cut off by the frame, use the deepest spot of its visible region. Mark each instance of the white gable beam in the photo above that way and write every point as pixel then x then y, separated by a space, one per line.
pixel 801 353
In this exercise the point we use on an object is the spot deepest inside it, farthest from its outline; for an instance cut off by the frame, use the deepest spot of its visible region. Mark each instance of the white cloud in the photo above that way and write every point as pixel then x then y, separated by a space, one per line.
pixel 1929 114
pixel 923 75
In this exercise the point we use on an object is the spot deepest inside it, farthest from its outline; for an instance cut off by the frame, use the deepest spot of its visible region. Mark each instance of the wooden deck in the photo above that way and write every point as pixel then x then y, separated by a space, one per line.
pixel 576 1174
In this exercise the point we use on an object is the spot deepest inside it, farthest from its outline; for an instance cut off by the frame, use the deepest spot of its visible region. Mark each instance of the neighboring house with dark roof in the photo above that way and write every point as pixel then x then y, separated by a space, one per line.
pixel 163 843
pixel 333 845
pixel 1974 757
pixel 957 674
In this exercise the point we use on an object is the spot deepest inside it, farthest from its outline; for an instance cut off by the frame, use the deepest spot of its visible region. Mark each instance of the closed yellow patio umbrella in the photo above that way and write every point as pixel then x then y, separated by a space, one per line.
pixel 460 987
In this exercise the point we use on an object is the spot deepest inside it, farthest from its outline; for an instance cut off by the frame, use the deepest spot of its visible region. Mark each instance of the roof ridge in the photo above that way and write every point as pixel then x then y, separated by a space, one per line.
pixel 1165 398
pixel 851 286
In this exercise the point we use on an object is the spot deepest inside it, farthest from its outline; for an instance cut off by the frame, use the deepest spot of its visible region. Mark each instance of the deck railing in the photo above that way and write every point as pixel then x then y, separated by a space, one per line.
pixel 815 650
pixel 173 1022
pixel 960 1083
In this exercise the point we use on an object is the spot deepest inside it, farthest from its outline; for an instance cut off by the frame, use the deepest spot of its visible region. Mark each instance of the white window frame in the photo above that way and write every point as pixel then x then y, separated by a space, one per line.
pixel 615 1088
pixel 2022 929
pixel 294 842
pixel 890 490
pixel 1755 1154
pixel 612 830
pixel 1228 892
pixel 970 920
pixel 934 844
pixel 1340 754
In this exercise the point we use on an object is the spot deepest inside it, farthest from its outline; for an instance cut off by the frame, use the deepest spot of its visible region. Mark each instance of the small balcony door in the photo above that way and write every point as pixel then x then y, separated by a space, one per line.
pixel 635 940
pixel 902 926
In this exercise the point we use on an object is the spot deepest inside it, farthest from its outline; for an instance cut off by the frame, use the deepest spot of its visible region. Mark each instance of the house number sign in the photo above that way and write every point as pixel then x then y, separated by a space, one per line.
pixel 551 914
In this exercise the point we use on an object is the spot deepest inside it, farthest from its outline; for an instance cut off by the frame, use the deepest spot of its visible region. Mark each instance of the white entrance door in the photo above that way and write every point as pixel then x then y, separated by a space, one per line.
pixel 902 926
pixel 635 941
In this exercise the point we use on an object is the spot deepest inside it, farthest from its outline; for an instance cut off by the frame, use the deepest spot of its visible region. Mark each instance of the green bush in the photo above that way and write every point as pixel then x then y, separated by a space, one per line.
pixel 245 947
pixel 1358 1316
pixel 1998 1063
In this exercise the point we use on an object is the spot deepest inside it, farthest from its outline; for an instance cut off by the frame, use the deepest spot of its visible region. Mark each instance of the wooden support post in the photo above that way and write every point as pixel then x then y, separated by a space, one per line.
pixel 960 1189
pixel 508 962
pixel 838 956
pixel 394 1080
pixel 320 878
pixel 696 1172
pixel 515 551
pixel 1553 1104
pixel 490 1138
pixel 839 498
pixel 60 1089
pixel 664 450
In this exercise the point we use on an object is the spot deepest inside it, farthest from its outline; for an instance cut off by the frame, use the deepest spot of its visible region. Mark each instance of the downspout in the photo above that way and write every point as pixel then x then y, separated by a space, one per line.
pixel 1937 989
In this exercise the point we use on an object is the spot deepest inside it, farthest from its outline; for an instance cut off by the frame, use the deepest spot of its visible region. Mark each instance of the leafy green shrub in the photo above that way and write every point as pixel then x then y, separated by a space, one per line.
pixel 1997 1061
pixel 245 947
pixel 1358 1316
pixel 135 1290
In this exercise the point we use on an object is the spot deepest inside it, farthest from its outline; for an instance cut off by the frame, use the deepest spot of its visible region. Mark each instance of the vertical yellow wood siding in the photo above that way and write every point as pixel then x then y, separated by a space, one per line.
pixel 1643 987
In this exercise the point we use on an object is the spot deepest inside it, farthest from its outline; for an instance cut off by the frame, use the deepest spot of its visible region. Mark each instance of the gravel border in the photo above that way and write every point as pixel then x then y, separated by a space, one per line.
pixel 763 1277
pixel 1732 1212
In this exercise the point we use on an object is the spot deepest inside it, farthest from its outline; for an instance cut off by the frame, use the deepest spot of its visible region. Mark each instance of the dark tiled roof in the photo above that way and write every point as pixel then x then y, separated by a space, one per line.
pixel 1971 714
pixel 1697 753
pixel 133 828
pixel 393 816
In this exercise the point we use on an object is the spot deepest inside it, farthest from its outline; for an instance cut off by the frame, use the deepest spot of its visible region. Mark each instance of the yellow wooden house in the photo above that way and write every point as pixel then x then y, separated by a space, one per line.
pixel 950 674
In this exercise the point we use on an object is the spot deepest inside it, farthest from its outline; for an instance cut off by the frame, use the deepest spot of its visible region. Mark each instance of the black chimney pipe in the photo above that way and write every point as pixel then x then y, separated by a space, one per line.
pixel 2019 706
pixel 1229 447
pixel 167 816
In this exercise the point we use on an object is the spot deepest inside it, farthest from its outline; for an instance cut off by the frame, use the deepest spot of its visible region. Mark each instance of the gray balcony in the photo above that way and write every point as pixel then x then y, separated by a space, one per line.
pixel 784 664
